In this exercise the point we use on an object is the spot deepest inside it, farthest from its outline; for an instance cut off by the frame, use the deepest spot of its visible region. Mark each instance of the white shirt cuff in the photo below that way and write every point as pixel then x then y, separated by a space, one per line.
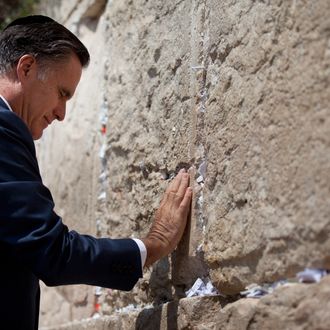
pixel 143 250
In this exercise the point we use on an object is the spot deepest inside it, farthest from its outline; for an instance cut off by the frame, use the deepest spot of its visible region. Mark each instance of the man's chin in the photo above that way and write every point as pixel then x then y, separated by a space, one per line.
pixel 37 135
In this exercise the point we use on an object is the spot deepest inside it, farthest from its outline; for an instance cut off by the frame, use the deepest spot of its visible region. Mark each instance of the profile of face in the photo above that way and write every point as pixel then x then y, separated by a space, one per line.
pixel 45 90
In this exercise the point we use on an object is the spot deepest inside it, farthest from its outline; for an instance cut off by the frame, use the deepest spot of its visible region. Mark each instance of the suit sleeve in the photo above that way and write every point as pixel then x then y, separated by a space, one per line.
pixel 33 234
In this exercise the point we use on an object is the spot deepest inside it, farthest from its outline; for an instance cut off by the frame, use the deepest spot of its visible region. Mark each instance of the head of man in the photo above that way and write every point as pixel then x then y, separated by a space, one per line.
pixel 40 66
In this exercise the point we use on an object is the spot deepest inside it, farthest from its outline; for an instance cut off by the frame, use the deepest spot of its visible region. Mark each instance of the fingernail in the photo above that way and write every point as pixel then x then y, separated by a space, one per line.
pixel 183 170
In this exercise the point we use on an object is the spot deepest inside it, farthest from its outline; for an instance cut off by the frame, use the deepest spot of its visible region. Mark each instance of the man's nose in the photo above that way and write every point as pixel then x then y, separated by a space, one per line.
pixel 60 111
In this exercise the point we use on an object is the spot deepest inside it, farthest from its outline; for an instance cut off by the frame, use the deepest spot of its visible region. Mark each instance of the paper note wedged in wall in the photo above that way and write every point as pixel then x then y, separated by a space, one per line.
pixel 201 289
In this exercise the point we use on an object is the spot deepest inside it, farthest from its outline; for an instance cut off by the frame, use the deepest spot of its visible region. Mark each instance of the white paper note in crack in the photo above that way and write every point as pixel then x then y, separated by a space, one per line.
pixel 311 275
pixel 201 289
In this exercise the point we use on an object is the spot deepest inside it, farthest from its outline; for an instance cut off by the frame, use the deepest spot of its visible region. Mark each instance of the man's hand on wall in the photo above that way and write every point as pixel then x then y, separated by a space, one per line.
pixel 170 219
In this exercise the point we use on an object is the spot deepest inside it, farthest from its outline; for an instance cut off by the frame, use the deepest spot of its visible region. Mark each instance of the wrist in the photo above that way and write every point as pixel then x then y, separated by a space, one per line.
pixel 153 250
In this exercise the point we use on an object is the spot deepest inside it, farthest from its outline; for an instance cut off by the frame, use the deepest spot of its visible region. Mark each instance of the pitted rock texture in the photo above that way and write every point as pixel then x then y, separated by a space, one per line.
pixel 293 307
pixel 267 119
pixel 236 91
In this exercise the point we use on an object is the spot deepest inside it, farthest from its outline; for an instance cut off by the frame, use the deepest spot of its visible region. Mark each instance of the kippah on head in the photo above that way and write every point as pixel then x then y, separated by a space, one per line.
pixel 33 19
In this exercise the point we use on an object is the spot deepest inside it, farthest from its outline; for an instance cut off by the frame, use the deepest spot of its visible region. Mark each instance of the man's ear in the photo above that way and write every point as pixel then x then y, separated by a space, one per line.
pixel 26 67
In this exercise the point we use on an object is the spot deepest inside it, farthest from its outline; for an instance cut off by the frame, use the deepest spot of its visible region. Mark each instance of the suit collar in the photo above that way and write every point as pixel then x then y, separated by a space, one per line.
pixel 5 104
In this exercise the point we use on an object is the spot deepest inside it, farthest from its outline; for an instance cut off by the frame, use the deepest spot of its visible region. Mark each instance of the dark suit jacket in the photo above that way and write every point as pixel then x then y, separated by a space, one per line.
pixel 35 244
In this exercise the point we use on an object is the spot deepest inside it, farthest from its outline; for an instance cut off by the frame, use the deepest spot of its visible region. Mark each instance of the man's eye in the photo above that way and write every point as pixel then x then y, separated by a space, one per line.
pixel 62 93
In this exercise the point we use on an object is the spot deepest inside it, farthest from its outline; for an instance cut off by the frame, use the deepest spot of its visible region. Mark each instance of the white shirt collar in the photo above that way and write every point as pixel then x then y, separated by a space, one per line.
pixel 4 100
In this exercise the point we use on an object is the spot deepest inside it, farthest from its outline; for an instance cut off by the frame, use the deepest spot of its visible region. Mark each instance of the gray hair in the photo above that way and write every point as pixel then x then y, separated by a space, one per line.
pixel 42 37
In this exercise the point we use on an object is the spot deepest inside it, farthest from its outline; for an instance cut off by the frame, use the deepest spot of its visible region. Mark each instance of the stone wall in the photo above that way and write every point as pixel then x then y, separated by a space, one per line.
pixel 294 308
pixel 236 91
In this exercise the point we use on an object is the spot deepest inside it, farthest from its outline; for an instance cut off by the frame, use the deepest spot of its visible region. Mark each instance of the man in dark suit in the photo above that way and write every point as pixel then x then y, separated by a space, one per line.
pixel 40 66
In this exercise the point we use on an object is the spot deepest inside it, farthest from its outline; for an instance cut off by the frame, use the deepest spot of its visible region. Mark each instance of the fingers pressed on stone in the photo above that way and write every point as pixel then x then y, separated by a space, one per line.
pixel 174 185
pixel 183 185
pixel 185 203
pixel 172 197
pixel 171 217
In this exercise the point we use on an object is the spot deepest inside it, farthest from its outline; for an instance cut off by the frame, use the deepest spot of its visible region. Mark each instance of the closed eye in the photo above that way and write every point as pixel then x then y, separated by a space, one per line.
pixel 63 93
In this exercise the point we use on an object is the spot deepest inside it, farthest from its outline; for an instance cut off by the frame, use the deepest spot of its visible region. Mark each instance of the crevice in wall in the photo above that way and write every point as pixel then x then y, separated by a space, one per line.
pixel 95 9
pixel 74 8
pixel 103 178
pixel 89 15
pixel 188 260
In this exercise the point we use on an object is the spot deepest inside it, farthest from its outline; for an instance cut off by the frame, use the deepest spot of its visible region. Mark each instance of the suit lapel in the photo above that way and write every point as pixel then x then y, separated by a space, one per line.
pixel 3 103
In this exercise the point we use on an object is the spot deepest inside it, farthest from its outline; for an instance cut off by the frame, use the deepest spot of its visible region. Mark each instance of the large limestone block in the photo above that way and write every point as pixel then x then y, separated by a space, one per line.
pixel 149 112
pixel 298 307
pixel 268 149
pixel 149 137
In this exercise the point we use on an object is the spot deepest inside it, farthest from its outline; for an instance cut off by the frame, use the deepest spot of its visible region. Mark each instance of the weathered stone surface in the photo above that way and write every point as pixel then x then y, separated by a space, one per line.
pixel 151 131
pixel 293 307
pixel 73 11
pixel 54 308
pixel 237 91
pixel 266 122
pixel 117 322
pixel 148 127
pixel 297 307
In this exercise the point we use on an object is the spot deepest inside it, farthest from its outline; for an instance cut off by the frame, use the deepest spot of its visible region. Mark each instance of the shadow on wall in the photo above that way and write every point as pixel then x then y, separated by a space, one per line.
pixel 153 318
pixel 172 277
